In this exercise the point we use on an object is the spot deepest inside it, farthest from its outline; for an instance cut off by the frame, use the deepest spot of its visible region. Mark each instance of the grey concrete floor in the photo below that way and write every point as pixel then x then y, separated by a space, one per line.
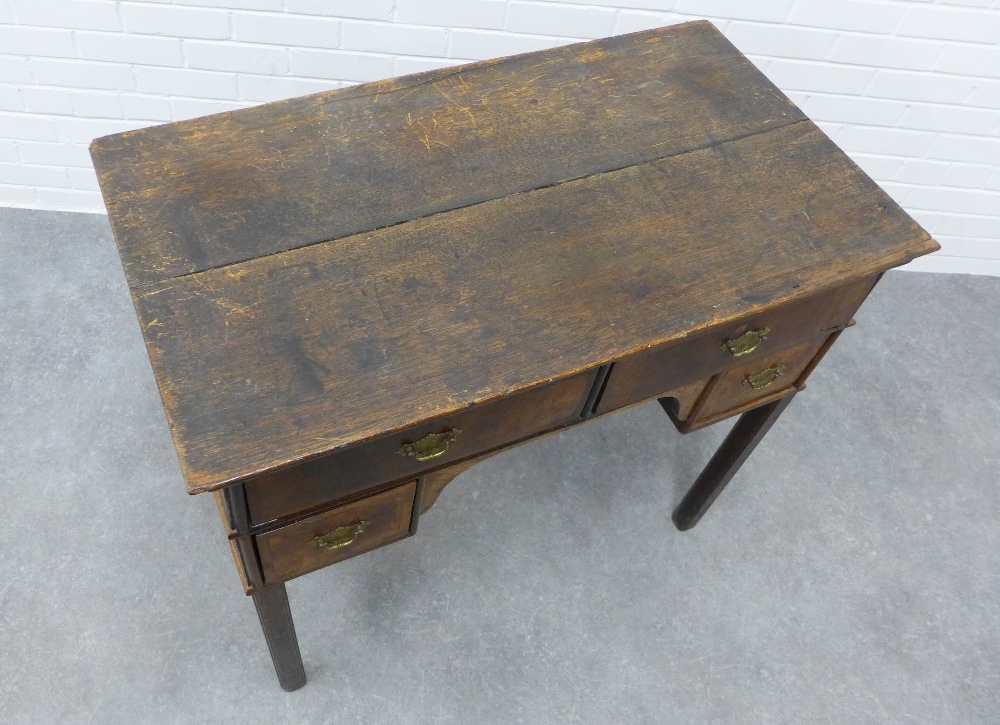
pixel 848 575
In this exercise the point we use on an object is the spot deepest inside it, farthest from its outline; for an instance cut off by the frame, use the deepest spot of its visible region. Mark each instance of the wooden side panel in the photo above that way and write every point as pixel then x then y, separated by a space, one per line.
pixel 239 545
pixel 227 523
pixel 211 191
pixel 312 483
pixel 240 569
pixel 288 552
pixel 286 357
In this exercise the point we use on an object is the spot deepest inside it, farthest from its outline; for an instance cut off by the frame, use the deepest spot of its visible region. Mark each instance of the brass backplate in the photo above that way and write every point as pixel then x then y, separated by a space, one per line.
pixel 339 537
pixel 747 342
pixel 430 446
pixel 759 381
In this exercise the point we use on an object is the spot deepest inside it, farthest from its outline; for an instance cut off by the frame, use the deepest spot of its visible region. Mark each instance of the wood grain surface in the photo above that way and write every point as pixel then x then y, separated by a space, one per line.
pixel 211 191
pixel 286 552
pixel 732 390
pixel 654 371
pixel 281 358
pixel 320 272
pixel 327 478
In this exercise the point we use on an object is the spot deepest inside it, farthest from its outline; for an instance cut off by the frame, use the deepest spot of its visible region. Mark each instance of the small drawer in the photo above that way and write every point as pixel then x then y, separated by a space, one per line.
pixel 422 447
pixel 766 377
pixel 336 535
pixel 652 373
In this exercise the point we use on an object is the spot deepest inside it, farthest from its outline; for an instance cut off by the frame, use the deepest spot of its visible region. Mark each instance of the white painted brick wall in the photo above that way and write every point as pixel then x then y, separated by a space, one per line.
pixel 909 88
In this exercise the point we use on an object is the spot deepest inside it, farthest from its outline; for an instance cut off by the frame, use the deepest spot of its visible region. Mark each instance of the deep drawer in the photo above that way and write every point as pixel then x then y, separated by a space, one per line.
pixel 336 535
pixel 388 459
pixel 651 373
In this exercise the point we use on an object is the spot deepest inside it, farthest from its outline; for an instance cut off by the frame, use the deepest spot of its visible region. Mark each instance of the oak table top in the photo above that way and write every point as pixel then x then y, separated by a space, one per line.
pixel 316 272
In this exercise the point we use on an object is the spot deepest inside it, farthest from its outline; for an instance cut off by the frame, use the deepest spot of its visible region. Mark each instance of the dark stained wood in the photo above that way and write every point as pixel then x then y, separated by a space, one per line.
pixel 247 579
pixel 227 520
pixel 234 501
pixel 286 552
pixel 276 495
pixel 279 631
pixel 696 407
pixel 735 449
pixel 233 508
pixel 723 407
pixel 697 422
pixel 650 373
pixel 507 248
pixel 241 567
pixel 188 196
pixel 824 348
pixel 233 535
pixel 732 389
pixel 681 401
pixel 258 369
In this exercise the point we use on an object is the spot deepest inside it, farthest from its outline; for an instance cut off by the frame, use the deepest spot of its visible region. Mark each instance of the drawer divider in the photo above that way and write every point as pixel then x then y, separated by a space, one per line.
pixel 600 383
pixel 699 405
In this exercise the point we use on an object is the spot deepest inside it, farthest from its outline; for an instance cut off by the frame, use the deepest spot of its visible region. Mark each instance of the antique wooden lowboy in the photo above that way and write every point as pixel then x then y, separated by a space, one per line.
pixel 351 297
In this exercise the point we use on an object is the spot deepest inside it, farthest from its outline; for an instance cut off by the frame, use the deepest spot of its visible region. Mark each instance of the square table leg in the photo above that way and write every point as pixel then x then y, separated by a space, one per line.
pixel 735 449
pixel 279 631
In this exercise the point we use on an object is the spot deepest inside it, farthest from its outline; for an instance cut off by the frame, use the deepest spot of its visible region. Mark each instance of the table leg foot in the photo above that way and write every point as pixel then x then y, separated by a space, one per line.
pixel 735 449
pixel 279 631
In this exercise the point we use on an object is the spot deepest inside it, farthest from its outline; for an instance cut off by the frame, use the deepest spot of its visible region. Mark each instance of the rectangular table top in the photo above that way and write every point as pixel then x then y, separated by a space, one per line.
pixel 319 271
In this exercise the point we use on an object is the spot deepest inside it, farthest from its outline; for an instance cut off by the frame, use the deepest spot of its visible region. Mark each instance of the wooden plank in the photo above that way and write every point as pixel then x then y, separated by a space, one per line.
pixel 268 362
pixel 189 196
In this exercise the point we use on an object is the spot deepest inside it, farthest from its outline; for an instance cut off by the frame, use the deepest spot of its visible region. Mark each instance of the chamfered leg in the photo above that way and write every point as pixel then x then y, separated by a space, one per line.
pixel 735 449
pixel 279 631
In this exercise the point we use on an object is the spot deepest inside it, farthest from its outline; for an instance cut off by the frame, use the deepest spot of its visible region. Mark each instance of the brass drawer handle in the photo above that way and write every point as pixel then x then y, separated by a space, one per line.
pixel 746 343
pixel 761 380
pixel 430 446
pixel 339 537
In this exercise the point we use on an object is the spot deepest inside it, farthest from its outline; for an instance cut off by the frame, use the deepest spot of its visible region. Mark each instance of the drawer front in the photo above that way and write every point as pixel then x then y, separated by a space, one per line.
pixel 384 460
pixel 336 535
pixel 652 372
pixel 763 378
